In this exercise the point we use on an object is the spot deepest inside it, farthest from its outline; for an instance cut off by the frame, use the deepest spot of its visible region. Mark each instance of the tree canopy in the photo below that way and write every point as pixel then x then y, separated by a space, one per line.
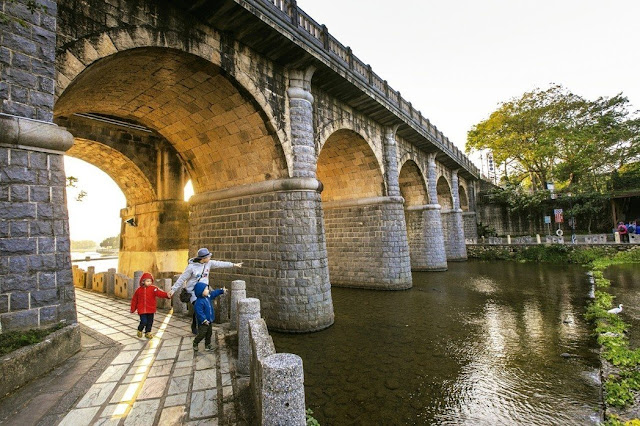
pixel 555 135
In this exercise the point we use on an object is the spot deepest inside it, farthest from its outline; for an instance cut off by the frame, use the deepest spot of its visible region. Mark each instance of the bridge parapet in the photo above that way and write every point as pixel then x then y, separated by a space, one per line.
pixel 319 36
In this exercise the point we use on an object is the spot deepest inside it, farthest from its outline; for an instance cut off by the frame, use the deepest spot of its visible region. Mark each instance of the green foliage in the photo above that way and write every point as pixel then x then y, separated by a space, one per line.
pixel 72 183
pixel 13 340
pixel 556 253
pixel 486 231
pixel 626 178
pixel 495 254
pixel 618 395
pixel 585 256
pixel 311 421
pixel 555 135
pixel 113 242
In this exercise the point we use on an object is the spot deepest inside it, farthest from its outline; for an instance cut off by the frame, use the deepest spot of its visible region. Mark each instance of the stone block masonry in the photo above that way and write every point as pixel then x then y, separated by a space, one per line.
pixel 27 55
pixel 35 265
pixel 276 229
pixel 367 243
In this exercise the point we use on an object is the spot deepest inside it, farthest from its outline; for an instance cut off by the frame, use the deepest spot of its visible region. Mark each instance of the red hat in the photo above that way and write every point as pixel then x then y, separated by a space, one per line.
pixel 145 276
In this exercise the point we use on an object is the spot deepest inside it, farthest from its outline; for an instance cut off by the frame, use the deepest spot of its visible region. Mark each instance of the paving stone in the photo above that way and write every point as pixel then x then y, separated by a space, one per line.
pixel 203 404
pixel 153 387
pixel 179 399
pixel 143 413
pixel 179 385
pixel 173 415
pixel 113 373
pixel 204 379
pixel 97 395
pixel 79 417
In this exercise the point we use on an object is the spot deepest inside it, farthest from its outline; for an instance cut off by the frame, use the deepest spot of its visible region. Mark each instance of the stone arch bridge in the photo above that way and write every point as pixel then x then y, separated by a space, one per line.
pixel 306 165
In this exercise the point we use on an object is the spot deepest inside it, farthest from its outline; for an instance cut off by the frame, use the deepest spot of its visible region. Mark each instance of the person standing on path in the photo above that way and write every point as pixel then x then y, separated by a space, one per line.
pixel 198 271
pixel 205 314
pixel 144 301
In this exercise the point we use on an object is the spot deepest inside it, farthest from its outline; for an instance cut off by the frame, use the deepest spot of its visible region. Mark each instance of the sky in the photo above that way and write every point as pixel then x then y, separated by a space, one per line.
pixel 455 61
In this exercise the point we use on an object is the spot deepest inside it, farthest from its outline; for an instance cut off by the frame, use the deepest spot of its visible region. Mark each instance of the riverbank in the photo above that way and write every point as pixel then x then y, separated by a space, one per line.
pixel 620 372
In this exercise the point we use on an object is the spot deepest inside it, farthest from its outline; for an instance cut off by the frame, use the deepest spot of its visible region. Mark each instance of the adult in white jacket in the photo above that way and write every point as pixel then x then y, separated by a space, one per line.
pixel 198 271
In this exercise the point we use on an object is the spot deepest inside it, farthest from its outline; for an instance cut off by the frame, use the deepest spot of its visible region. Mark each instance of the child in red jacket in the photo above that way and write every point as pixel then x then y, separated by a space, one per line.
pixel 144 300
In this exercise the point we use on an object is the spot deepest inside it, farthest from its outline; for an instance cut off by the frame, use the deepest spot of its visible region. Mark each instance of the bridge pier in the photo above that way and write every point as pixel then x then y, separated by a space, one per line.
pixel 275 228
pixel 157 241
pixel 437 249
pixel 367 243
pixel 426 242
pixel 456 247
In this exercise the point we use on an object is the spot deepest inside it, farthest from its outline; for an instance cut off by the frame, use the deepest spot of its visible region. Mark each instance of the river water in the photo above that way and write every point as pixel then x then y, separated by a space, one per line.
pixel 480 344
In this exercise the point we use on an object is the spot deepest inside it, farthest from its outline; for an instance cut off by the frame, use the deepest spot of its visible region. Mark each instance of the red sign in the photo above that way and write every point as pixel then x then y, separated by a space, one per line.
pixel 558 215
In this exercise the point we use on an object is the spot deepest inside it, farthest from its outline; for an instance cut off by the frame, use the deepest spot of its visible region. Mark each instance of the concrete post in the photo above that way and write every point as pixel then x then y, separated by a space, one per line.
pixel 538 240
pixel 110 284
pixel 164 284
pixel 136 280
pixel 508 239
pixel 91 271
pixel 248 309
pixel 222 308
pixel 283 400
pixel 238 292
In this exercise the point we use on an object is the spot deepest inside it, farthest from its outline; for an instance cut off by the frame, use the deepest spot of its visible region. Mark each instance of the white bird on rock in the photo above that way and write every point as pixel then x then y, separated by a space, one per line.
pixel 615 310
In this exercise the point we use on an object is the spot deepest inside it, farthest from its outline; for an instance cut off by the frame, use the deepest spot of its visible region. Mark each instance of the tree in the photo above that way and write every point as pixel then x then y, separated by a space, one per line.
pixel 71 183
pixel 112 242
pixel 555 135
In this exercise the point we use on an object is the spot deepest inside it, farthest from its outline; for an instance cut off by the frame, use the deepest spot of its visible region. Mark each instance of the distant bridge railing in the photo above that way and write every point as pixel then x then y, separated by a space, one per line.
pixel 547 239
pixel 320 37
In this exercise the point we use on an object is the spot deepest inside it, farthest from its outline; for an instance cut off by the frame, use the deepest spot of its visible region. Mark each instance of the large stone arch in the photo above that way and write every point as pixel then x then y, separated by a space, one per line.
pixel 348 126
pixel 125 173
pixel 348 168
pixel 215 127
pixel 74 57
pixel 413 185
pixel 364 228
pixel 445 198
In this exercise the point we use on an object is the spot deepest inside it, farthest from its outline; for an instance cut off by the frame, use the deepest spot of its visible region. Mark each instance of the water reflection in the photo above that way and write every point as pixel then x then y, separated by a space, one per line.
pixel 479 344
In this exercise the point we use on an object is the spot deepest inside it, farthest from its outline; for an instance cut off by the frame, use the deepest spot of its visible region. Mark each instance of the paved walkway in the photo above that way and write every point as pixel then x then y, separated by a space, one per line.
pixel 120 379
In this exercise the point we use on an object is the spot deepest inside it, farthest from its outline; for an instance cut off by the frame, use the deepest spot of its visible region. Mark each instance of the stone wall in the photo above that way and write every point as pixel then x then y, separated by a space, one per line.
pixel 367 244
pixel 470 226
pixel 36 287
pixel 278 232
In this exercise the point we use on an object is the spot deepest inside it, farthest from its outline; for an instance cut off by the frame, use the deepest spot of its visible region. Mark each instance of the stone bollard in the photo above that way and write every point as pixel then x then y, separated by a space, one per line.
pixel 179 307
pixel 238 291
pixel 616 237
pixel 508 239
pixel 538 240
pixel 248 309
pixel 483 239
pixel 110 284
pixel 91 271
pixel 164 284
pixel 283 384
pixel 136 280
pixel 222 308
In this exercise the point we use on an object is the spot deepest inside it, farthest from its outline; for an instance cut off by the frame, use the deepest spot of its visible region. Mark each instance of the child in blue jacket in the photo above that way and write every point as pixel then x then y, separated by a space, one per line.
pixel 204 313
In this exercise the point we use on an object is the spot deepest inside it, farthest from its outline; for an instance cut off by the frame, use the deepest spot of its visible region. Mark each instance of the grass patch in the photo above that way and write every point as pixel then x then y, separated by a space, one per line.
pixel 14 340
pixel 620 389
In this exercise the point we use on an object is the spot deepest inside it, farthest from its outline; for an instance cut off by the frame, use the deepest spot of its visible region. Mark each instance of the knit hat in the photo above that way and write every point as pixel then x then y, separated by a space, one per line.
pixel 202 253
pixel 145 276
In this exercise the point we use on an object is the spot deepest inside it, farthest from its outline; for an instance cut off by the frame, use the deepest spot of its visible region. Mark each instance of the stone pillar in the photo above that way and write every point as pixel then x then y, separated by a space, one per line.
pixel 283 401
pixel 276 228
pixel 158 243
pixel 391 162
pixel 425 233
pixel 301 120
pixel 248 309
pixel 238 292
pixel 178 306
pixel 367 243
pixel 434 235
pixel 35 264
pixel 111 281
pixel 457 247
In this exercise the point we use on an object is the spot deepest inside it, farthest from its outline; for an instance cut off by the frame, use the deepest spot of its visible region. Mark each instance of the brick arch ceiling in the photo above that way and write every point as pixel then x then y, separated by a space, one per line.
pixel 412 185
pixel 216 127
pixel 129 178
pixel 444 193
pixel 348 168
